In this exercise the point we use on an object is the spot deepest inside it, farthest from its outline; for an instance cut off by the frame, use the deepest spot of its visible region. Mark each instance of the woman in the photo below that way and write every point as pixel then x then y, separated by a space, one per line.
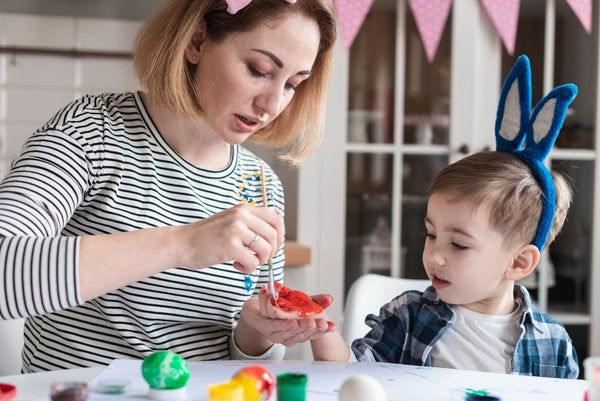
pixel 128 222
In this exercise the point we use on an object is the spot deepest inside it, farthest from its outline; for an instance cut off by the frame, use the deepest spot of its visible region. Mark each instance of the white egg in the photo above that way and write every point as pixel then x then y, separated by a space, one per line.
pixel 362 388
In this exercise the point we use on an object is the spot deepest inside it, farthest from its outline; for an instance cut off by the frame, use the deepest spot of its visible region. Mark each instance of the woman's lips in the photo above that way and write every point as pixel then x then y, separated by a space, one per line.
pixel 245 124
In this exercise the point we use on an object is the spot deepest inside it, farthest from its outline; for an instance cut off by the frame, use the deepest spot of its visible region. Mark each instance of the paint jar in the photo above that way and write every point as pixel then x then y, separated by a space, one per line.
pixel 291 386
pixel 591 365
pixel 69 391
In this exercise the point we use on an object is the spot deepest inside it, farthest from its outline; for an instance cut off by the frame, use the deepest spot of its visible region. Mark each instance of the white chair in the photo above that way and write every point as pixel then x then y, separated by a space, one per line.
pixel 367 295
pixel 11 344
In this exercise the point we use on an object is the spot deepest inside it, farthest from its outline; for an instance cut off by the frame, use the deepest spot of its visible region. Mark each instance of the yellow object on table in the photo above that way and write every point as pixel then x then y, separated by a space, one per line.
pixel 226 391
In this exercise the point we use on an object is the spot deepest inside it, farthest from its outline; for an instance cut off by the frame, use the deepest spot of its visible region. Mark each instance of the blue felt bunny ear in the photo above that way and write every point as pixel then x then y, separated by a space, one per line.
pixel 514 125
pixel 514 107
pixel 547 119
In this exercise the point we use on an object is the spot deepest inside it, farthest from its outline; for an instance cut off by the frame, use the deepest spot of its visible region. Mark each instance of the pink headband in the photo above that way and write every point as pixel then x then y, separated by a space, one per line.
pixel 236 5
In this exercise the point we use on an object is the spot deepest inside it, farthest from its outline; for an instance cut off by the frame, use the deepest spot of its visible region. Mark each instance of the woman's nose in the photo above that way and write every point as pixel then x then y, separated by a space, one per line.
pixel 271 102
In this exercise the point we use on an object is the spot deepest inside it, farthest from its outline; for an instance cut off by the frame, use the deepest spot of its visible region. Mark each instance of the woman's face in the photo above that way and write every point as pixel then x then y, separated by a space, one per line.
pixel 245 81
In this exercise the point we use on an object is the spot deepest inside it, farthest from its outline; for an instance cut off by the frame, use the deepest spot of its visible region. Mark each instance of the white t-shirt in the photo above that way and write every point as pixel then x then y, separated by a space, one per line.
pixel 477 341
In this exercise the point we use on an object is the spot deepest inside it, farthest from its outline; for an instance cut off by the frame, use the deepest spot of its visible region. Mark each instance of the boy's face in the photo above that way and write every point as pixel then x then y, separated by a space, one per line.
pixel 465 258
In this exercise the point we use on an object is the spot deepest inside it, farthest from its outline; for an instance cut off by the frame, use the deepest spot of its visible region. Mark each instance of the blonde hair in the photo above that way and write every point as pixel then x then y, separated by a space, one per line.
pixel 161 66
pixel 506 186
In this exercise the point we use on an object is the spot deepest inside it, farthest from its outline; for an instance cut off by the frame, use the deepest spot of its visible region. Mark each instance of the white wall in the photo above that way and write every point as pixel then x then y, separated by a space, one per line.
pixel 34 87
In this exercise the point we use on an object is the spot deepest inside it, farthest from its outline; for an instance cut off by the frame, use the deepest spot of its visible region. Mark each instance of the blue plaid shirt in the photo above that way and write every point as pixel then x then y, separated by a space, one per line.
pixel 410 325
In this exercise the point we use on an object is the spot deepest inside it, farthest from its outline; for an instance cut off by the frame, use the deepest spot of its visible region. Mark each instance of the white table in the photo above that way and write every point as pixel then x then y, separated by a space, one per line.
pixel 36 386
pixel 401 382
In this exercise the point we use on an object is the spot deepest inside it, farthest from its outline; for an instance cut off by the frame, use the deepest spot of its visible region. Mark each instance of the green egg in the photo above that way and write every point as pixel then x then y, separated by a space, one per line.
pixel 165 370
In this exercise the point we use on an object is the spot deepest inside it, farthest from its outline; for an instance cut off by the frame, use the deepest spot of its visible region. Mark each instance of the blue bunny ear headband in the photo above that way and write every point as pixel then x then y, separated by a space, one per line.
pixel 539 131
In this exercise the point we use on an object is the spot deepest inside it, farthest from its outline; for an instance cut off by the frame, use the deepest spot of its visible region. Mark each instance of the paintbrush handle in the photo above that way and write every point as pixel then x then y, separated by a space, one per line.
pixel 266 204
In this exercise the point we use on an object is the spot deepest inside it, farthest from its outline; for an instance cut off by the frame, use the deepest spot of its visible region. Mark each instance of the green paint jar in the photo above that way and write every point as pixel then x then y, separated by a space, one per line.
pixel 291 387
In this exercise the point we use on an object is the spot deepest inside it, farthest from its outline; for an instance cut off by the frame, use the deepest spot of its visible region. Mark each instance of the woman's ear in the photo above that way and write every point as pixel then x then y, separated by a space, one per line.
pixel 194 48
pixel 525 260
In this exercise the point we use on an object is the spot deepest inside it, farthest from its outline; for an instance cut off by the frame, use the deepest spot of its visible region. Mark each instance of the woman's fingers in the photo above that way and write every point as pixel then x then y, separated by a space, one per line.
pixel 245 234
pixel 310 329
pixel 270 229
pixel 325 300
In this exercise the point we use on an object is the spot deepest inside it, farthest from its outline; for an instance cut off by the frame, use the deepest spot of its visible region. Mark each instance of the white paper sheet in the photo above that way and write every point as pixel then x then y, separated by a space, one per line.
pixel 401 382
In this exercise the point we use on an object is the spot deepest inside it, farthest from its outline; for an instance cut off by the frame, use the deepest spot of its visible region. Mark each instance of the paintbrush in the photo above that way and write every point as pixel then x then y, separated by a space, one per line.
pixel 266 204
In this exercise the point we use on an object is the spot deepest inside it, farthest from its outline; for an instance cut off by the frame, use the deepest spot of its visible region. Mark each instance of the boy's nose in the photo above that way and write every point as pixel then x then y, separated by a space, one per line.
pixel 434 256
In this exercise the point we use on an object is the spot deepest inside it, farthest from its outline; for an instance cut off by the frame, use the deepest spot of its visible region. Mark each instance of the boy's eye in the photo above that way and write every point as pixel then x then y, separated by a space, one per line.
pixel 459 246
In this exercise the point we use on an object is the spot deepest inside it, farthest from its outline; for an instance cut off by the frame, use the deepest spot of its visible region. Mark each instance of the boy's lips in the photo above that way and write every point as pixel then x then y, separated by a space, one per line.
pixel 438 281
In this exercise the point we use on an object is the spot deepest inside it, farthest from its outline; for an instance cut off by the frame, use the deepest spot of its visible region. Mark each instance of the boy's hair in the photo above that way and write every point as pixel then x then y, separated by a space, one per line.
pixel 161 66
pixel 508 189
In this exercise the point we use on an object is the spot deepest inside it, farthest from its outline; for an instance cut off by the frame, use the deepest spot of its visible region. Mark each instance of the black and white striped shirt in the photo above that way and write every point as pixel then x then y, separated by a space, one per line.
pixel 100 166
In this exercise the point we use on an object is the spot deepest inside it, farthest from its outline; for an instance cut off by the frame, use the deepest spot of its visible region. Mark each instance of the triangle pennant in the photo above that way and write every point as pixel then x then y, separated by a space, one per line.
pixel 583 11
pixel 504 15
pixel 430 17
pixel 350 15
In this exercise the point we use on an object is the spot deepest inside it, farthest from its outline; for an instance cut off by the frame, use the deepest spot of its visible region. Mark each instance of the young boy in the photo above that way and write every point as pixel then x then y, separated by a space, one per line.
pixel 481 215
pixel 488 217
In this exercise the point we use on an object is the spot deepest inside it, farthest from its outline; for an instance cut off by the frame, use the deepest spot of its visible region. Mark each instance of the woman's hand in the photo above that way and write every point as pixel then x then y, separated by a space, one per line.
pixel 245 234
pixel 262 324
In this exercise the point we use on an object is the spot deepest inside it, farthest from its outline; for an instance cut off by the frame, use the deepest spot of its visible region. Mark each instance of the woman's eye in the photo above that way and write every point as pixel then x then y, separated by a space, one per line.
pixel 429 236
pixel 256 73
pixel 459 246
pixel 291 86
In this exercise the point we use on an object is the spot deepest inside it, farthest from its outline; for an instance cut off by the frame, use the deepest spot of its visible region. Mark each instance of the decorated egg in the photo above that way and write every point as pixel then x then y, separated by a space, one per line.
pixel 361 388
pixel 250 383
pixel 166 373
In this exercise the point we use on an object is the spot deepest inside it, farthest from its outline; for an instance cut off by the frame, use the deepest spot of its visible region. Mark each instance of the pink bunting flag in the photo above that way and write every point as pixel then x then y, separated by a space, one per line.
pixel 350 15
pixel 504 15
pixel 583 11
pixel 430 17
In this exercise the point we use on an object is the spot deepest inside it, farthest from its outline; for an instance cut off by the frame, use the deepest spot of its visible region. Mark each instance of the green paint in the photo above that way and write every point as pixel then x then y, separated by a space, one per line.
pixel 471 391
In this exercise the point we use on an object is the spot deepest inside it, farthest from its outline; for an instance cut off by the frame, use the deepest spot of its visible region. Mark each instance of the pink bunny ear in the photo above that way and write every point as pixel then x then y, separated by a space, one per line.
pixel 236 5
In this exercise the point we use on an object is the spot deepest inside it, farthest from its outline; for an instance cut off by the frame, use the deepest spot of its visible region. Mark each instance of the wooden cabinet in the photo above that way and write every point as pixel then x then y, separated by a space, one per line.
pixel 405 118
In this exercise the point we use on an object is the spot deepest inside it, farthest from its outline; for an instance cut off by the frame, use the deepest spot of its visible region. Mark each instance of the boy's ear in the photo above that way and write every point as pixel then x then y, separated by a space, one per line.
pixel 194 48
pixel 525 260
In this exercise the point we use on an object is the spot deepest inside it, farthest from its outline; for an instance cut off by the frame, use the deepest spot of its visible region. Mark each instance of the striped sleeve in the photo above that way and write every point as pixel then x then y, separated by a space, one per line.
pixel 37 199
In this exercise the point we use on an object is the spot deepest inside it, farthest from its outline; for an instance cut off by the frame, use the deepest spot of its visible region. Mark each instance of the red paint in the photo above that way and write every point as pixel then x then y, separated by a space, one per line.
pixel 7 391
pixel 296 301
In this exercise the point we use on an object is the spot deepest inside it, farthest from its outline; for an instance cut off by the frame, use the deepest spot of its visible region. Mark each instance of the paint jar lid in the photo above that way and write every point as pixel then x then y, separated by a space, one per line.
pixel 69 391
pixel 482 397
pixel 7 391
pixel 291 386
pixel 114 386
